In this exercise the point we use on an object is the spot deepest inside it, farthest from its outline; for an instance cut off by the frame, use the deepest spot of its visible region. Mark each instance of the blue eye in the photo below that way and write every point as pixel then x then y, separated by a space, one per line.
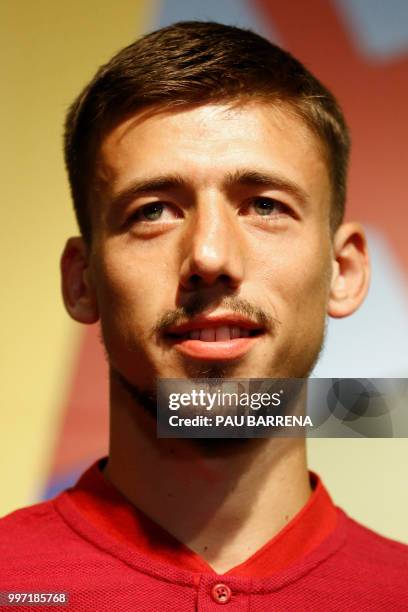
pixel 153 215
pixel 151 212
pixel 266 206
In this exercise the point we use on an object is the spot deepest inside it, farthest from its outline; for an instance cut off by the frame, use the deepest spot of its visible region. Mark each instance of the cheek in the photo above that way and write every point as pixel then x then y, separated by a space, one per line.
pixel 297 275
pixel 298 283
pixel 127 294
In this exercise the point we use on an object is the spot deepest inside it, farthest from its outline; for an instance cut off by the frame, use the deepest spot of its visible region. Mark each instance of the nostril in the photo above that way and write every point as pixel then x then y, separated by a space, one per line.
pixel 225 278
pixel 195 279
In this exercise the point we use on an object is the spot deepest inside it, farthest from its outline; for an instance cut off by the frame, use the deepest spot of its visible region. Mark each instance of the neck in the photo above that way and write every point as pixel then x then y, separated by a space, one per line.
pixel 224 499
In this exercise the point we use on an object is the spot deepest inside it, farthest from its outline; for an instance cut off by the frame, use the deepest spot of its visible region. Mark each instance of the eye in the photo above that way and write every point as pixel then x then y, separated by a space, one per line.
pixel 155 211
pixel 265 207
pixel 151 212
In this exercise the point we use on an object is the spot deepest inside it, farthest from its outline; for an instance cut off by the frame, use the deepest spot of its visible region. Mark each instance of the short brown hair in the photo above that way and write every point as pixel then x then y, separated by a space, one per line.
pixel 191 63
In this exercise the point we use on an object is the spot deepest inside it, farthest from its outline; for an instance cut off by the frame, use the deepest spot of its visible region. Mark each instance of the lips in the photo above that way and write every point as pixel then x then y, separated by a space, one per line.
pixel 215 336
pixel 218 333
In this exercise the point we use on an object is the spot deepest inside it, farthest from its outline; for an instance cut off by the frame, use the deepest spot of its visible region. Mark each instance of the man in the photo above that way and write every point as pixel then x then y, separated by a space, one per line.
pixel 208 173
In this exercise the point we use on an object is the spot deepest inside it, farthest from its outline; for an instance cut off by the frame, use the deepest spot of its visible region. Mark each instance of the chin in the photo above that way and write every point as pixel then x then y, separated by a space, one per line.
pixel 222 369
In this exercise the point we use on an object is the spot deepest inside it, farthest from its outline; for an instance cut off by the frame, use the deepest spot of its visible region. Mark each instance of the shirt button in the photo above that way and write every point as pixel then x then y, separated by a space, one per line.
pixel 221 593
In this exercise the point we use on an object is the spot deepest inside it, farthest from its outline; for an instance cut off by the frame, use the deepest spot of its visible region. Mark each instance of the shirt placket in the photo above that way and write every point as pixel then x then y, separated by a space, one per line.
pixel 218 595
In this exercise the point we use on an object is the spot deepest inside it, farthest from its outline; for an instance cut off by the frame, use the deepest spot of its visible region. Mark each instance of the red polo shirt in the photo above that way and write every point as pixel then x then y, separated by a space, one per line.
pixel 91 547
pixel 106 508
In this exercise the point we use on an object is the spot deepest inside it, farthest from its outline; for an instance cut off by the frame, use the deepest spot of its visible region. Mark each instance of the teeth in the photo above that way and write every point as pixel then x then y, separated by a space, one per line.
pixel 222 333
pixel 218 334
pixel 235 332
pixel 208 334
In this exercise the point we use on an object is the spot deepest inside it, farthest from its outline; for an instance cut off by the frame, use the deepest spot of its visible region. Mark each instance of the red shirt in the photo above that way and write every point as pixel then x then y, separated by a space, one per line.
pixel 74 545
pixel 102 504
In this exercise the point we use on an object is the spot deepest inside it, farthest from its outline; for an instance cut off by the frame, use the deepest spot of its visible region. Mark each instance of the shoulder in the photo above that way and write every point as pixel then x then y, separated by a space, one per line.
pixel 38 528
pixel 370 567
pixel 28 524
pixel 42 551
pixel 360 570
pixel 38 523
pixel 369 548
pixel 37 540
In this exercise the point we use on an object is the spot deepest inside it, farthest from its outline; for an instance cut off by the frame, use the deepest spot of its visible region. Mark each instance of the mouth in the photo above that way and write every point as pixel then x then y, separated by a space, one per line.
pixel 217 337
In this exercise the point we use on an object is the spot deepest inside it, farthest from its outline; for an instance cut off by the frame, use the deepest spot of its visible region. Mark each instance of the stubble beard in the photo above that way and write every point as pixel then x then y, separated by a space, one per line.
pixel 146 397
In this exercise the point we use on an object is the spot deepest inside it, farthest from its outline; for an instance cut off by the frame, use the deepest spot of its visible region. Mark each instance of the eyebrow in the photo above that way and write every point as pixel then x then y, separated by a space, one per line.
pixel 139 187
pixel 243 177
pixel 270 180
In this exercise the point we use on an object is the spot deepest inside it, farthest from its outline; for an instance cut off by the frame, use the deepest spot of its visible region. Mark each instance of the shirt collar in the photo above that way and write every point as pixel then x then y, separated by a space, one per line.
pixel 108 510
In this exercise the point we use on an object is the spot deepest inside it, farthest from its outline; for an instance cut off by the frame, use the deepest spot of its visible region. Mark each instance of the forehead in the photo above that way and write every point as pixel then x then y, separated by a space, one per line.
pixel 204 143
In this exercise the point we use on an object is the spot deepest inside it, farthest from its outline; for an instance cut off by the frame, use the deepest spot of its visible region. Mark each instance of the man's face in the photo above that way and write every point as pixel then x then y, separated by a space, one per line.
pixel 211 244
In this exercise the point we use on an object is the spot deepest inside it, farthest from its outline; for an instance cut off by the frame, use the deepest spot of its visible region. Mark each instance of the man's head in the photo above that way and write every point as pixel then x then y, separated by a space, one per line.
pixel 208 168
pixel 194 63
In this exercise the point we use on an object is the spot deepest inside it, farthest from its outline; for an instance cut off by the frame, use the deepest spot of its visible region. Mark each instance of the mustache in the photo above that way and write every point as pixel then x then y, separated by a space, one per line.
pixel 198 304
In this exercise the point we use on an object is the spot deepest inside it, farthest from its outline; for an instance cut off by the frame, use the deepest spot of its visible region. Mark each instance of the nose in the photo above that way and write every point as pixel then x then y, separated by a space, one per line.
pixel 212 248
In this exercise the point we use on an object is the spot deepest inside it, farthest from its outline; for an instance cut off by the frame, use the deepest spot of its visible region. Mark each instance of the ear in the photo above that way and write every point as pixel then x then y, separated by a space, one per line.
pixel 77 290
pixel 351 270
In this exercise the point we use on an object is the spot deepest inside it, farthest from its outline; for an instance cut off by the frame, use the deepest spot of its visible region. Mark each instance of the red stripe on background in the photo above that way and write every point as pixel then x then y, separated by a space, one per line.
pixel 84 432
